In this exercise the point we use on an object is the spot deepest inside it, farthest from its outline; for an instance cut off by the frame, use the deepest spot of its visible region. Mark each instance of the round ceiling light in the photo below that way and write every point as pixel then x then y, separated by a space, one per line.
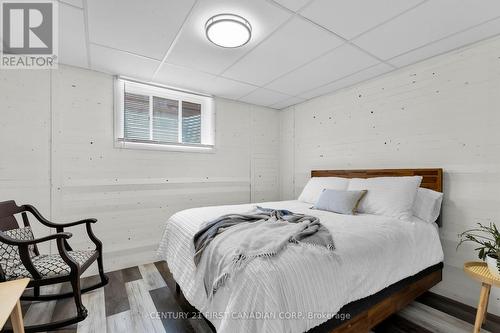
pixel 228 30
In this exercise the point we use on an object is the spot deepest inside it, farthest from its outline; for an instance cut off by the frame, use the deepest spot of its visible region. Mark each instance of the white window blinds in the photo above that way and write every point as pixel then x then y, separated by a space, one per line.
pixel 160 116
pixel 136 116
pixel 191 122
pixel 165 120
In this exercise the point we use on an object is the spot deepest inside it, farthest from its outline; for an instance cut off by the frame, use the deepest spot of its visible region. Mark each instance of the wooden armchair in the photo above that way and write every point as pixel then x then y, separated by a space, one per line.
pixel 20 258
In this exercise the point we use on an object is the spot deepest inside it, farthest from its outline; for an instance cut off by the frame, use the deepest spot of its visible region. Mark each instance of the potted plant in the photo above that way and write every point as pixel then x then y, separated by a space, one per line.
pixel 488 239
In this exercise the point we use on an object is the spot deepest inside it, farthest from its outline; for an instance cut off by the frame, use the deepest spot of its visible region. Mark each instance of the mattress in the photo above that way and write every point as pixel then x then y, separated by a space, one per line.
pixel 301 287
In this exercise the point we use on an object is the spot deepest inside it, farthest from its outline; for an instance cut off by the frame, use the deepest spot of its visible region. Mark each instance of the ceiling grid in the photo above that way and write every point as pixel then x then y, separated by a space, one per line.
pixel 299 49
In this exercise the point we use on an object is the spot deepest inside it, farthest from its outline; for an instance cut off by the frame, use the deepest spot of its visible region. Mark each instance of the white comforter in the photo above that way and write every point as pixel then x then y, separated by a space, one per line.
pixel 301 288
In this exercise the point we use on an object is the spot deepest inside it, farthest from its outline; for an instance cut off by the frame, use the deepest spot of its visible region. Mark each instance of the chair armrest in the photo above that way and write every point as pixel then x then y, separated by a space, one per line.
pixel 23 248
pixel 18 242
pixel 58 226
pixel 72 224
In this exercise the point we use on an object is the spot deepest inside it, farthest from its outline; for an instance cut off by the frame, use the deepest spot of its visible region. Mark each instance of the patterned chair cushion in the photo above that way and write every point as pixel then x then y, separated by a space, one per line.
pixel 9 254
pixel 50 265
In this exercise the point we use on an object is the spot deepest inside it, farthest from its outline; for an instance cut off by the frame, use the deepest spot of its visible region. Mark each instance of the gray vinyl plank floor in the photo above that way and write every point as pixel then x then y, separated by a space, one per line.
pixel 435 320
pixel 133 297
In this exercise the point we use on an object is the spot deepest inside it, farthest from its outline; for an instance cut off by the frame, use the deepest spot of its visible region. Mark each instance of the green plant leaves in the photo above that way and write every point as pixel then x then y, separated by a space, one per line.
pixel 488 237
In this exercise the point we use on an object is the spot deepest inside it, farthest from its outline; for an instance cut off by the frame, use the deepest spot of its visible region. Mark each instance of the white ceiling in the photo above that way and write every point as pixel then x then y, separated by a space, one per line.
pixel 299 49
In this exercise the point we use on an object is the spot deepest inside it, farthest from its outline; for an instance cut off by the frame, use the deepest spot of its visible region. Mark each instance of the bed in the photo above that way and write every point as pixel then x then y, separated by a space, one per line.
pixel 380 265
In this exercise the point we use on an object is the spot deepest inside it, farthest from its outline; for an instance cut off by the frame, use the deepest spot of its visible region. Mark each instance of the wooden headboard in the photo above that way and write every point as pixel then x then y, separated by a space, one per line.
pixel 432 178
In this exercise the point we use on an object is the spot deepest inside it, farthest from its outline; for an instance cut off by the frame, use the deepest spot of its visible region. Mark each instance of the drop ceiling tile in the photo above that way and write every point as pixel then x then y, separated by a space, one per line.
pixel 341 62
pixel 194 80
pixel 229 89
pixel 264 97
pixel 350 80
pixel 76 3
pixel 298 42
pixel 194 50
pixel 475 34
pixel 426 23
pixel 72 44
pixel 292 4
pixel 288 102
pixel 122 63
pixel 350 18
pixel 142 27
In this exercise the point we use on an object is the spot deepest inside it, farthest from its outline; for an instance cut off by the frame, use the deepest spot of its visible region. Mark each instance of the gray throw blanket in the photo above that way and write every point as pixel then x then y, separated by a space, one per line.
pixel 225 245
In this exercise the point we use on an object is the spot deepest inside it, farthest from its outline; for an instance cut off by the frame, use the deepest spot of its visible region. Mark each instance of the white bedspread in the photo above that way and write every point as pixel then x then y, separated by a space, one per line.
pixel 301 288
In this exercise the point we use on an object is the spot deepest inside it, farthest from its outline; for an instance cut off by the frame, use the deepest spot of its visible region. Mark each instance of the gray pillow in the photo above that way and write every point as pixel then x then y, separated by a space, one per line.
pixel 338 201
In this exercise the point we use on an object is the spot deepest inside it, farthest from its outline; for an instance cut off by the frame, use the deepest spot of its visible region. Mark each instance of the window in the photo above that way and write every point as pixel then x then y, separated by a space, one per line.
pixel 155 117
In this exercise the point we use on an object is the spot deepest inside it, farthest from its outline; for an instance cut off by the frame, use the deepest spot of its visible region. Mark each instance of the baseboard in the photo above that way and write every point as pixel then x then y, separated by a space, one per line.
pixel 460 310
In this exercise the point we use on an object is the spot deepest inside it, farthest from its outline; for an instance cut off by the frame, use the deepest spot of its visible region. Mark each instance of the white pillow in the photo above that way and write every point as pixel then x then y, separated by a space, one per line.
pixel 427 205
pixel 316 185
pixel 389 196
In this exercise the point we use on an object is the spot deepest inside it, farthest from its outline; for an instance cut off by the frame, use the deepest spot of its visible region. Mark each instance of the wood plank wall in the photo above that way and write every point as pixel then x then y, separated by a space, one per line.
pixel 443 112
pixel 25 158
pixel 58 130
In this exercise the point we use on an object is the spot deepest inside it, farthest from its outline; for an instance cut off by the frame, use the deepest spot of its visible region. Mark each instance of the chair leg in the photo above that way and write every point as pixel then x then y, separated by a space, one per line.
pixel 104 278
pixel 80 309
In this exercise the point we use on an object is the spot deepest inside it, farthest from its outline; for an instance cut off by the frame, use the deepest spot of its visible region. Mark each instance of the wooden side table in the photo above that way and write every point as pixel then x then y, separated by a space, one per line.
pixel 479 271
pixel 10 293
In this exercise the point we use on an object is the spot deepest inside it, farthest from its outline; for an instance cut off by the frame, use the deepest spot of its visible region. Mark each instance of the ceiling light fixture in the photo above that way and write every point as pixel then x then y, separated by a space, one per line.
pixel 228 30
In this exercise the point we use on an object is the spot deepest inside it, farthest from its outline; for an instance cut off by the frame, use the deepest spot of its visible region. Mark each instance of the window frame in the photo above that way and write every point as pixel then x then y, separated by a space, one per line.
pixel 207 124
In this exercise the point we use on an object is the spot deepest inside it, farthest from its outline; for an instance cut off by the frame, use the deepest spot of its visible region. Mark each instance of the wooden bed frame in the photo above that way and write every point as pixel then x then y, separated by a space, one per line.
pixel 368 312
pixel 374 309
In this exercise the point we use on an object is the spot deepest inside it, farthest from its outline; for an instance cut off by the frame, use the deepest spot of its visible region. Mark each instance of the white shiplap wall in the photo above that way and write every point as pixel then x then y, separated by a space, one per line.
pixel 443 112
pixel 57 128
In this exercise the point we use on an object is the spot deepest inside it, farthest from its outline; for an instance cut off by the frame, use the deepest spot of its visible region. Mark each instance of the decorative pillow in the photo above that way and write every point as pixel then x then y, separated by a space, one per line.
pixel 337 201
pixel 9 254
pixel 389 196
pixel 427 205
pixel 316 185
